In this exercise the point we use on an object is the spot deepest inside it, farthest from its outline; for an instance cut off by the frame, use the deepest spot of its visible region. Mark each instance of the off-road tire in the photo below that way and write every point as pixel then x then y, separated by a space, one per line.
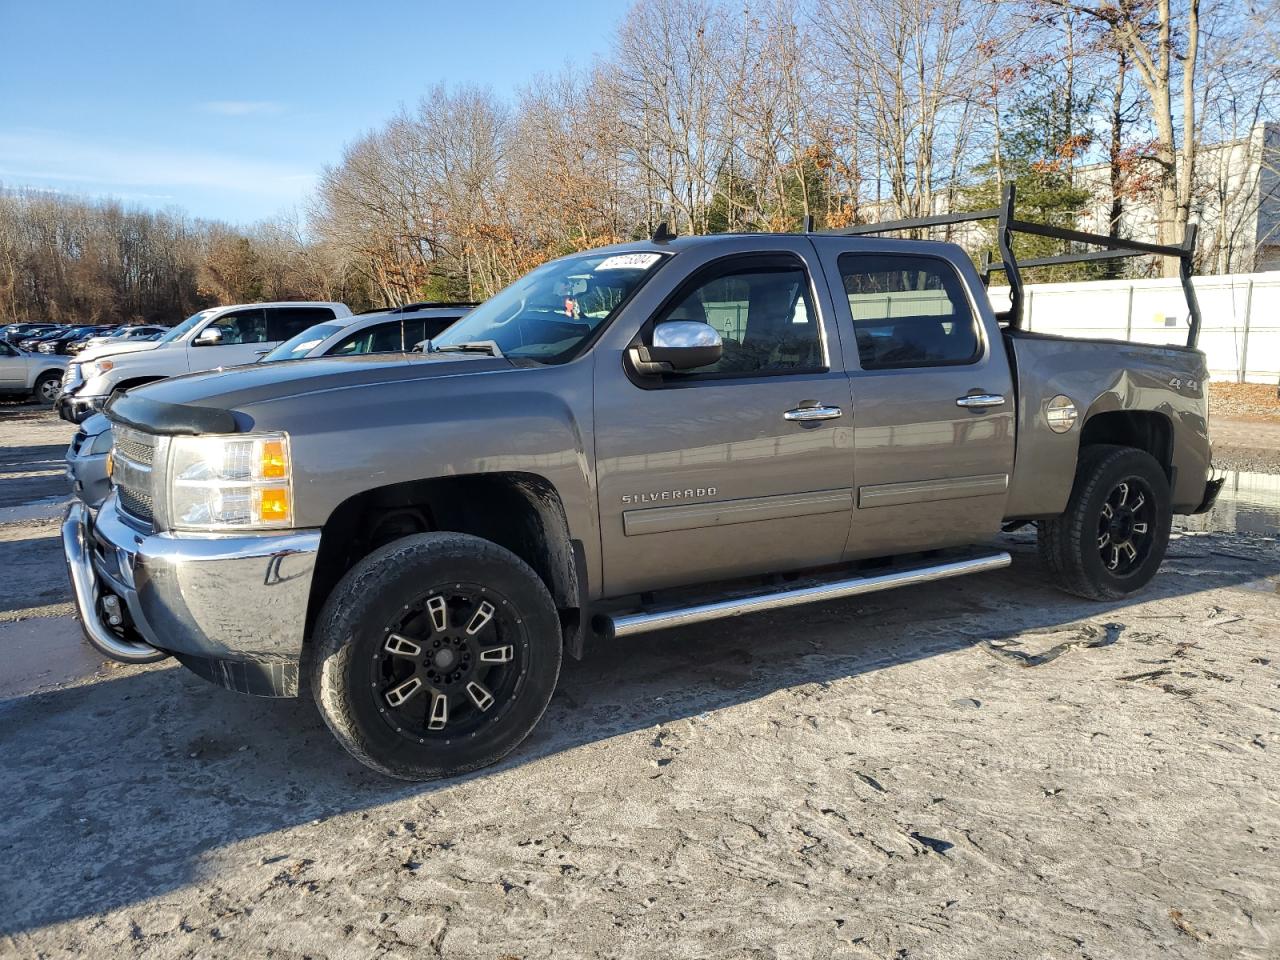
pixel 1069 544
pixel 41 389
pixel 351 631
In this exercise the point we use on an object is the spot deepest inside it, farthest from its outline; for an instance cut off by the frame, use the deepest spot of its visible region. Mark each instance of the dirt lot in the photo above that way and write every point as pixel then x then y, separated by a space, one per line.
pixel 1245 401
pixel 983 768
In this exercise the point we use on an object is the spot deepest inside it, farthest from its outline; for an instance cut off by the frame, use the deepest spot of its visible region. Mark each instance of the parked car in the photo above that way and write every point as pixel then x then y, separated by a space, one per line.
pixel 15 332
pixel 217 337
pixel 635 438
pixel 397 330
pixel 138 332
pixel 57 343
pixel 31 342
pixel 25 374
pixel 87 461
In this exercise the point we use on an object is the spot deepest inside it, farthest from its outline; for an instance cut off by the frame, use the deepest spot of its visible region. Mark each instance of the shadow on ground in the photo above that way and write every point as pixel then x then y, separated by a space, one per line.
pixel 115 791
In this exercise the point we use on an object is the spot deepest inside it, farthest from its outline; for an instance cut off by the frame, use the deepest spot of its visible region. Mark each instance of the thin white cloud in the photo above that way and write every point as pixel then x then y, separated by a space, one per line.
pixel 113 194
pixel 48 156
pixel 243 108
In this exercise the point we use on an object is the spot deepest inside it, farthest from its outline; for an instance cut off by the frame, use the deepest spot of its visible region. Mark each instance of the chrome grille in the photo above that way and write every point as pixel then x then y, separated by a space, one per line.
pixel 138 504
pixel 133 456
pixel 134 446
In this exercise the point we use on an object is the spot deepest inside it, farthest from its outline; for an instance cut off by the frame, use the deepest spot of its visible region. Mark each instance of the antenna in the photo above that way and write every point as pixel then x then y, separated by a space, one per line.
pixel 662 234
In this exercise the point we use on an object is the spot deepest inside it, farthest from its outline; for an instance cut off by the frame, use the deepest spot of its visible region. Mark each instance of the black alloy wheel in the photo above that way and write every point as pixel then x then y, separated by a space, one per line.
pixel 1126 526
pixel 434 655
pixel 451 662
pixel 1110 540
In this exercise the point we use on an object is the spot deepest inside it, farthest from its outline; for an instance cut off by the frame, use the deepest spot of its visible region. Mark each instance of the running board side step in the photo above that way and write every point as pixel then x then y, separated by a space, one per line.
pixel 627 624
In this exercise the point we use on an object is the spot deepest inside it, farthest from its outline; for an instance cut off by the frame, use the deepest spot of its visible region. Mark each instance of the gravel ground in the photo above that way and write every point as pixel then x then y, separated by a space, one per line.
pixel 979 768
pixel 1244 401
pixel 1249 445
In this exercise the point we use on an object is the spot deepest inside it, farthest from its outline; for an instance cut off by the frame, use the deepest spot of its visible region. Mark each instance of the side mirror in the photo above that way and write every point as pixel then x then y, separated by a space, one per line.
pixel 679 345
pixel 208 337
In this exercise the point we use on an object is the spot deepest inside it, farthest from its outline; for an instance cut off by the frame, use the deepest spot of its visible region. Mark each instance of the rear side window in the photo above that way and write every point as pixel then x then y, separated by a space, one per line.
pixel 908 311
pixel 284 323
pixel 417 329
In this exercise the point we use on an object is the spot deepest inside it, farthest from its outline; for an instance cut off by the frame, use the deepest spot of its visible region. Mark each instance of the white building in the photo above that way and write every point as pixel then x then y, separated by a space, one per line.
pixel 1237 204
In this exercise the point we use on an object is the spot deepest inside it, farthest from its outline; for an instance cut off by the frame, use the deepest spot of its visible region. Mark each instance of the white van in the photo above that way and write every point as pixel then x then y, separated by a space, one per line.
pixel 217 337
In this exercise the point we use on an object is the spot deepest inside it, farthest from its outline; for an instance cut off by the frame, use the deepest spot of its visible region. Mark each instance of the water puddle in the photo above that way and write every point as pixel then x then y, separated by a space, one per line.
pixel 1249 504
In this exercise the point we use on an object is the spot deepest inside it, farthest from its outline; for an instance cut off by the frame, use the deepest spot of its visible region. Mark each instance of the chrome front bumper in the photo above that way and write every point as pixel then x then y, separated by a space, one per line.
pixel 232 608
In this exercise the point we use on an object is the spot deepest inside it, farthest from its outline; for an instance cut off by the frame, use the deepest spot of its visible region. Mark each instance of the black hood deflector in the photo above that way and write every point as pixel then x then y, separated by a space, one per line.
pixel 155 416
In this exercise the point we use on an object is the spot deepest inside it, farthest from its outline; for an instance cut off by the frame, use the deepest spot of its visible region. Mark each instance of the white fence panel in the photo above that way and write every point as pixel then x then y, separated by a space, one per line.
pixel 1240 333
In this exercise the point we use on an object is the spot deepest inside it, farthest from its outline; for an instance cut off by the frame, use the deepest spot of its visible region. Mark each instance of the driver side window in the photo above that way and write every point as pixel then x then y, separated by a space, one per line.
pixel 764 315
pixel 241 326
pixel 382 338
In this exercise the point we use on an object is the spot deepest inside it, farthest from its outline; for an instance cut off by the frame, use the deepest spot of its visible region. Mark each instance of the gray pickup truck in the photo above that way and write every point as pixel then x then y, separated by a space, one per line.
pixel 630 439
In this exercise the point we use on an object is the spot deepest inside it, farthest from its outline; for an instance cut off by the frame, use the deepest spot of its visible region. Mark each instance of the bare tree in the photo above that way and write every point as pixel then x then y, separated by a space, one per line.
pixel 907 71
pixel 1153 35
pixel 665 79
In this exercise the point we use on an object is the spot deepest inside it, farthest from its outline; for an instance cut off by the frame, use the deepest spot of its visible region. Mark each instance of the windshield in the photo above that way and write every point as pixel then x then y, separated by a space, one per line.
pixel 184 327
pixel 549 313
pixel 303 343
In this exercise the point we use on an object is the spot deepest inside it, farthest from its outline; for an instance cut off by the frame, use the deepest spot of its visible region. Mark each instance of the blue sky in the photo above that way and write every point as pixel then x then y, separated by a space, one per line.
pixel 230 109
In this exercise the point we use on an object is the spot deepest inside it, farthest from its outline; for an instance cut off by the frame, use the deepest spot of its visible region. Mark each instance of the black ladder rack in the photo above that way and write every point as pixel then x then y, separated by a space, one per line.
pixel 1007 225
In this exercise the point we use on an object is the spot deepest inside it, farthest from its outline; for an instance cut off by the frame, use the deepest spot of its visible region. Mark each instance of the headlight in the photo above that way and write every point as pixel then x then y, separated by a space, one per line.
pixel 99 367
pixel 240 481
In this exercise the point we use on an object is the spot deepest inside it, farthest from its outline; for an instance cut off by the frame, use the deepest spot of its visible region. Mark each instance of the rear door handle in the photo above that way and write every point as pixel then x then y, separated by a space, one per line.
pixel 980 401
pixel 809 413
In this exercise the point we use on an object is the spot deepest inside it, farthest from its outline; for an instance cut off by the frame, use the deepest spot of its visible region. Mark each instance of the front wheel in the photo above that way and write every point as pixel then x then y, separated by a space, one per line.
pixel 435 655
pixel 46 388
pixel 1113 535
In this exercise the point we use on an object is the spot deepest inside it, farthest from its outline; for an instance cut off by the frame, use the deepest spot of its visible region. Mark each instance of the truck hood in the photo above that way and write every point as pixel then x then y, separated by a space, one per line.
pixel 235 388
pixel 113 349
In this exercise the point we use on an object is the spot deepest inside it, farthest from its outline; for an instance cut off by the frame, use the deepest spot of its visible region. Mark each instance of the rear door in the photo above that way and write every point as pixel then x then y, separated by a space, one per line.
pixel 933 403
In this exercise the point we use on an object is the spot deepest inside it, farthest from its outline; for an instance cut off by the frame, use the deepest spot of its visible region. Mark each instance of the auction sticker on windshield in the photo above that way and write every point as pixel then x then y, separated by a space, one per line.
pixel 630 261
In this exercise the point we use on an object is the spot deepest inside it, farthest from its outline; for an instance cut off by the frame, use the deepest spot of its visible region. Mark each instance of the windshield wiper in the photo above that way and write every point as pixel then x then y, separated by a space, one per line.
pixel 470 346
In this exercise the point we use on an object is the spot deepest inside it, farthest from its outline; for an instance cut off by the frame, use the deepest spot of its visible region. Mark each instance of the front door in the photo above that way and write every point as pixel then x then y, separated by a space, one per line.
pixel 730 469
pixel 243 338
pixel 933 401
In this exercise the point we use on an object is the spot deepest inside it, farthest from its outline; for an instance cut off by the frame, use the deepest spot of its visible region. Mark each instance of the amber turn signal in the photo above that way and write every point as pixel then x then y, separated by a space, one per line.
pixel 274 462
pixel 273 504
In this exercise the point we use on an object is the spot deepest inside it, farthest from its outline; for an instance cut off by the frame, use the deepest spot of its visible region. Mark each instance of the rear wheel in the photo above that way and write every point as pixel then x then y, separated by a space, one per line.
pixel 435 655
pixel 46 387
pixel 1112 537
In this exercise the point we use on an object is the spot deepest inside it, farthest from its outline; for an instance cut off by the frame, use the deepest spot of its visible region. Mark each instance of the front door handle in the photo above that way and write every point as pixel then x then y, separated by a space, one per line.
pixel 980 401
pixel 813 411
